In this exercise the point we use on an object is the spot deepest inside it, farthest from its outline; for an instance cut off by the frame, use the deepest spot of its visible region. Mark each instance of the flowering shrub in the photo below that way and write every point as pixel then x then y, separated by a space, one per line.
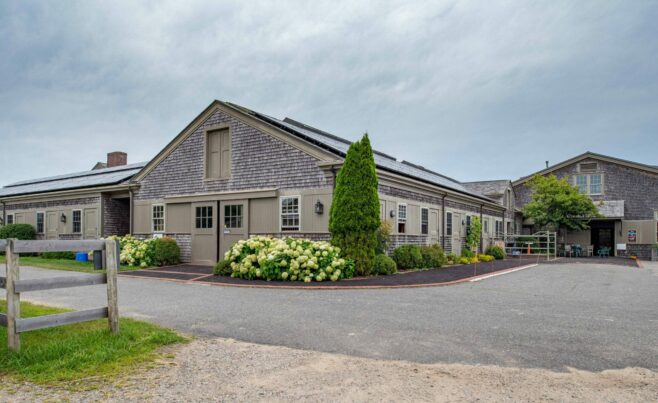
pixel 136 252
pixel 288 259
pixel 485 258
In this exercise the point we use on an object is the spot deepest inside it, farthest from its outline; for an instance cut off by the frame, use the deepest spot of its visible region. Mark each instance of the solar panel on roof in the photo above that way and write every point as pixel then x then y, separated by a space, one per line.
pixel 99 177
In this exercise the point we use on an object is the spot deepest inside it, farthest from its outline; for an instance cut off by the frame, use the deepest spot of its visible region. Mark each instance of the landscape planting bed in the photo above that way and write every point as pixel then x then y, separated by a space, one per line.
pixel 445 275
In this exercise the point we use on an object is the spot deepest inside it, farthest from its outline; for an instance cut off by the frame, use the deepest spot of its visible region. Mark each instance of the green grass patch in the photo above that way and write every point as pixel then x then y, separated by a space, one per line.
pixel 62 264
pixel 80 351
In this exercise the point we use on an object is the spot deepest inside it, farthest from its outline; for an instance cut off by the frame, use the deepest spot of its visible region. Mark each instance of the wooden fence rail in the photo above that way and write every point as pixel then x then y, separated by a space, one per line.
pixel 15 286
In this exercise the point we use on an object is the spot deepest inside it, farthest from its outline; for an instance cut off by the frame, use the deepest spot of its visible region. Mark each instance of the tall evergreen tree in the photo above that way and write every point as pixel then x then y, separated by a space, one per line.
pixel 354 216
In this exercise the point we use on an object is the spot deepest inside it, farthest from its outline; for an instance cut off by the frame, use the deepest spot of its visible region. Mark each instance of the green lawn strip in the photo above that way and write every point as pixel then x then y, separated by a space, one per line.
pixel 63 264
pixel 80 351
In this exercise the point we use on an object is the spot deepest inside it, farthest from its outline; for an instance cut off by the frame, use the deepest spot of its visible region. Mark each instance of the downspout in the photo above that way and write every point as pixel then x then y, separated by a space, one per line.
pixel 481 234
pixel 443 222
pixel 130 212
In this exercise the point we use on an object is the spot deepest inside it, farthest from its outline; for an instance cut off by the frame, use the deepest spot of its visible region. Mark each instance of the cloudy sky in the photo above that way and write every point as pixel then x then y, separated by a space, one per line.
pixel 468 88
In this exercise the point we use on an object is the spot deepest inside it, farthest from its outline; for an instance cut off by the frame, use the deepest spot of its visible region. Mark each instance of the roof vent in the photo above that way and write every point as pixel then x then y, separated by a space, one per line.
pixel 116 159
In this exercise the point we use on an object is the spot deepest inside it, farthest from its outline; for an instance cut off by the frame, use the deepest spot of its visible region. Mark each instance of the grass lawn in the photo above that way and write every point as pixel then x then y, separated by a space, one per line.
pixel 62 264
pixel 79 351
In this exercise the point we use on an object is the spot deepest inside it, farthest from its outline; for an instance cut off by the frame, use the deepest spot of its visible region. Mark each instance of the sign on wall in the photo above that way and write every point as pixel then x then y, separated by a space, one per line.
pixel 632 235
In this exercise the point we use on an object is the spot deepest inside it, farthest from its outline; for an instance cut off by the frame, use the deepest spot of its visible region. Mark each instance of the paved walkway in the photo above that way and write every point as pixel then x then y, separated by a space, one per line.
pixel 593 317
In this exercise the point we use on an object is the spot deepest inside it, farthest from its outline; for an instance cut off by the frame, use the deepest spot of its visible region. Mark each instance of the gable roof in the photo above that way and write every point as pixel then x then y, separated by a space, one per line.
pixel 494 188
pixel 86 179
pixel 339 146
pixel 644 167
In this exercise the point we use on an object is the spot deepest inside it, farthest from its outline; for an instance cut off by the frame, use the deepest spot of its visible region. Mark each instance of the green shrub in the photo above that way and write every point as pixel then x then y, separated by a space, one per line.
pixel 24 232
pixel 485 258
pixel 223 268
pixel 463 260
pixel 287 259
pixel 408 257
pixel 451 258
pixel 58 255
pixel 467 253
pixel 496 251
pixel 165 252
pixel 433 256
pixel 383 237
pixel 354 215
pixel 384 265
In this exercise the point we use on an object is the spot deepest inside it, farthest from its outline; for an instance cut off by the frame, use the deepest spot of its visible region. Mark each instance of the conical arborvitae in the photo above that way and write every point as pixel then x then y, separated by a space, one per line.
pixel 354 216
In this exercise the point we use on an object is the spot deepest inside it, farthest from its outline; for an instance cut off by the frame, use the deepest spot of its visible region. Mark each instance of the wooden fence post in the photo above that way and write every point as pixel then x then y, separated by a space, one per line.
pixel 13 298
pixel 112 258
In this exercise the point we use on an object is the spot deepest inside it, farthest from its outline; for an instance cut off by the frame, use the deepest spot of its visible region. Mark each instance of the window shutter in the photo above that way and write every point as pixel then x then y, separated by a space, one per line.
pixel 225 153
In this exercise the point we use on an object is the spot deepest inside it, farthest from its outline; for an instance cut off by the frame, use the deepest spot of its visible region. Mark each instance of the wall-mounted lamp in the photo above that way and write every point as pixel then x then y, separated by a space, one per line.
pixel 392 214
pixel 463 222
pixel 63 218
pixel 319 207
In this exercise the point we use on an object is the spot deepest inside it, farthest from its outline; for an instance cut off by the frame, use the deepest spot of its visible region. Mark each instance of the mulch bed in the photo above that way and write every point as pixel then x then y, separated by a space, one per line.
pixel 161 274
pixel 408 278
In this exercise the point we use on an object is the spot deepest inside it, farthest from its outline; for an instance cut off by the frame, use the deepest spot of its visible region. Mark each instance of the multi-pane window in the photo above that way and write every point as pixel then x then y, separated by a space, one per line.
pixel 595 184
pixel 76 221
pixel 233 216
pixel 10 219
pixel 424 221
pixel 203 217
pixel 40 223
pixel 589 184
pixel 468 222
pixel 448 224
pixel 158 218
pixel 581 183
pixel 402 218
pixel 499 228
pixel 290 213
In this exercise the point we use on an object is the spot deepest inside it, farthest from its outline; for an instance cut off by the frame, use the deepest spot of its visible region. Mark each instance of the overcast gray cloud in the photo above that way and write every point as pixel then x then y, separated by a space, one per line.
pixel 475 90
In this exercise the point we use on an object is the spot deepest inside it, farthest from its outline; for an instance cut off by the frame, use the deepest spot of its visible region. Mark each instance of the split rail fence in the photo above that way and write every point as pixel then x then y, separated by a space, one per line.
pixel 15 286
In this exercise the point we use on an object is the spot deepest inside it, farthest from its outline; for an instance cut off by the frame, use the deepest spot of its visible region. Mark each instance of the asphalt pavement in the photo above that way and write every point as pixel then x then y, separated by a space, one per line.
pixel 586 316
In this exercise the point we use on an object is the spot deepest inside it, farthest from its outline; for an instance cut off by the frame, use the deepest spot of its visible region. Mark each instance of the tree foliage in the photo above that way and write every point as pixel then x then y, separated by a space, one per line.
pixel 354 216
pixel 557 204
pixel 474 233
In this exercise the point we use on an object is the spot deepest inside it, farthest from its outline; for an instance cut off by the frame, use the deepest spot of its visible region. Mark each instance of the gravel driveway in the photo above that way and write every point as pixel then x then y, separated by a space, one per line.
pixel 585 316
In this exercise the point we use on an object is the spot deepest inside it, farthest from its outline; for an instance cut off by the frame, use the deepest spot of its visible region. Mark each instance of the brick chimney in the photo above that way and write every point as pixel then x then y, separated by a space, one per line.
pixel 116 158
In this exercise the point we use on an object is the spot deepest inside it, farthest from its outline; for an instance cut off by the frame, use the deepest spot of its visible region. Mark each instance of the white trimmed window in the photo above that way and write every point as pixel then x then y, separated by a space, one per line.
pixel 40 221
pixel 486 226
pixel 290 213
pixel 76 221
pixel 10 219
pixel 424 221
pixel 158 217
pixel 589 184
pixel 402 218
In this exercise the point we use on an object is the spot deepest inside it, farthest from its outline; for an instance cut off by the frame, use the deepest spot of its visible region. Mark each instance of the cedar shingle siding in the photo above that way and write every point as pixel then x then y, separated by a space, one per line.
pixel 257 161
pixel 637 188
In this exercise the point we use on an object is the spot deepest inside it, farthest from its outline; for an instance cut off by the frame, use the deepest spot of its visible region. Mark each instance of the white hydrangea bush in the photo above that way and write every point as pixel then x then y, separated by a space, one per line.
pixel 135 252
pixel 287 259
